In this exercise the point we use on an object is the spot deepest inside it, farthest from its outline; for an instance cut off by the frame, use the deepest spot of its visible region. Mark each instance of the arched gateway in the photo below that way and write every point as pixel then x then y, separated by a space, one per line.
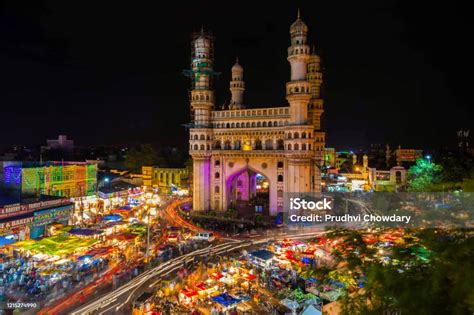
pixel 238 150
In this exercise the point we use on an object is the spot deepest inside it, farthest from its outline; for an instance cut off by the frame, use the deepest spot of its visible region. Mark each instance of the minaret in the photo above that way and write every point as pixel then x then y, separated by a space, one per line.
pixel 298 89
pixel 237 86
pixel 202 102
pixel 301 175
pixel 315 78
pixel 202 94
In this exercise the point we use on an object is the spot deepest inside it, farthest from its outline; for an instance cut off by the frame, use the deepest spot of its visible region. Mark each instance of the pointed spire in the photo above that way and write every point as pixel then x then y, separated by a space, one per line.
pixel 299 15
pixel 314 49
pixel 237 59
pixel 202 29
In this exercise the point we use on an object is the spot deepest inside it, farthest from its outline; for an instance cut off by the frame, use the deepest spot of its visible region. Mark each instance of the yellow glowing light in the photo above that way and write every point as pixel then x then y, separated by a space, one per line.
pixel 247 146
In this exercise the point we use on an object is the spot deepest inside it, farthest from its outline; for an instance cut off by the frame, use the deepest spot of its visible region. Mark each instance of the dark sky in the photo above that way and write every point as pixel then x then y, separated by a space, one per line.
pixel 110 73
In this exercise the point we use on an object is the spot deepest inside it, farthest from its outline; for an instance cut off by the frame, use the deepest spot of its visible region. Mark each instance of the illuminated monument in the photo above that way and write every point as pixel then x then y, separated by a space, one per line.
pixel 234 149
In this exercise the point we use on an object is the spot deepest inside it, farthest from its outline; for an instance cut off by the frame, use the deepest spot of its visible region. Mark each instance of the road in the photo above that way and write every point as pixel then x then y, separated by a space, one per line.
pixel 119 300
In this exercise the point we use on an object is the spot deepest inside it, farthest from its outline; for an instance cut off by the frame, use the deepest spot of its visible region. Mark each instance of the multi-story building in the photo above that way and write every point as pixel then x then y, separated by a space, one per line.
pixel 231 148
pixel 62 179
pixel 165 177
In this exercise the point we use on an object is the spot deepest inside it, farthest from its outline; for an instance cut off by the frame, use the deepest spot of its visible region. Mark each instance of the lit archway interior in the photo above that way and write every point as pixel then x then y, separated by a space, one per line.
pixel 248 192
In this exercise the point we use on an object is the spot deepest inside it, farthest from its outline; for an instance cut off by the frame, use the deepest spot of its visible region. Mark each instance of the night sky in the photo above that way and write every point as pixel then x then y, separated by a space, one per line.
pixel 111 73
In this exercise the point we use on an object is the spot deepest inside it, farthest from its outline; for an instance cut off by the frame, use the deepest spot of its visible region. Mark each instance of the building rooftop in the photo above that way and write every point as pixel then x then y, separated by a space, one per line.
pixel 262 254
pixel 9 199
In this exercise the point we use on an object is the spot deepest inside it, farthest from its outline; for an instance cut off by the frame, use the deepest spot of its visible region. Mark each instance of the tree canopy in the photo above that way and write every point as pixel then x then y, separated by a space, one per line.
pixel 423 176
pixel 144 155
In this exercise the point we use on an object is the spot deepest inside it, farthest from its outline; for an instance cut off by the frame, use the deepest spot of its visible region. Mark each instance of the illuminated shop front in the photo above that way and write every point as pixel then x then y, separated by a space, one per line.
pixel 43 218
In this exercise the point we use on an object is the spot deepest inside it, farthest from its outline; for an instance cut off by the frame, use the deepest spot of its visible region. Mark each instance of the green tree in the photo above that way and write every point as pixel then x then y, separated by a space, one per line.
pixel 144 155
pixel 423 176
pixel 440 285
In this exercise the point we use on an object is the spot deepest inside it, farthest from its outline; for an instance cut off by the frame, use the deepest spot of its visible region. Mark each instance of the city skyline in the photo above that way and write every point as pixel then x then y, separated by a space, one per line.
pixel 64 78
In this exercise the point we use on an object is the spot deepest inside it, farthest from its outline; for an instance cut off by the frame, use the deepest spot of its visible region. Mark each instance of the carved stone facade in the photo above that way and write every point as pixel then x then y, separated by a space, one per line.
pixel 284 144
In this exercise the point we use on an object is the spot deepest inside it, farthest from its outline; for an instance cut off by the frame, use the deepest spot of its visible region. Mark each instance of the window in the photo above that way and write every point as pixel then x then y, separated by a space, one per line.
pixel 289 147
pixel 196 137
pixel 217 163
pixel 202 146
pixel 217 189
pixel 217 175
pixel 269 144
pixel 196 147
pixel 297 147
pixel 280 178
pixel 280 164
pixel 280 145
pixel 289 136
pixel 297 135
pixel 258 144
pixel 303 135
pixel 202 137
pixel 303 146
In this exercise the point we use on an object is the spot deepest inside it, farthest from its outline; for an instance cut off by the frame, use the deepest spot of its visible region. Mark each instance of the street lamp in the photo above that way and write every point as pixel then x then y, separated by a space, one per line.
pixel 428 157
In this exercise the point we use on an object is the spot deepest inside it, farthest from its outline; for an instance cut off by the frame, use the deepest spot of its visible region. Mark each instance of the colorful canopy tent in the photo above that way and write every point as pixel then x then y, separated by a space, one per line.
pixel 332 295
pixel 112 217
pixel 311 310
pixel 217 275
pixel 7 240
pixel 250 276
pixel 137 228
pixel 189 292
pixel 85 231
pixel 84 257
pixel 290 304
pixel 201 286
pixel 124 211
pixel 102 251
pixel 225 299
pixel 59 245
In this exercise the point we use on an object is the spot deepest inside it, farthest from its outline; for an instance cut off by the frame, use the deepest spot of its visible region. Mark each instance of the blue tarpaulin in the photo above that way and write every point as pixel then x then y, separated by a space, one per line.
pixel 84 257
pixel 85 231
pixel 262 254
pixel 225 299
pixel 112 217
pixel 6 240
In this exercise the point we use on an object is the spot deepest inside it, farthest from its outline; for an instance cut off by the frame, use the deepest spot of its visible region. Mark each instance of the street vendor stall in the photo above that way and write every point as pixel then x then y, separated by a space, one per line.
pixel 187 296
pixel 225 301
pixel 59 245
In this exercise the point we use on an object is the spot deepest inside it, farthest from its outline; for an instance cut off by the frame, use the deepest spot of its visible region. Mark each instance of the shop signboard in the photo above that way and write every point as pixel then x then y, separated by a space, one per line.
pixel 15 225
pixel 16 209
pixel 52 215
